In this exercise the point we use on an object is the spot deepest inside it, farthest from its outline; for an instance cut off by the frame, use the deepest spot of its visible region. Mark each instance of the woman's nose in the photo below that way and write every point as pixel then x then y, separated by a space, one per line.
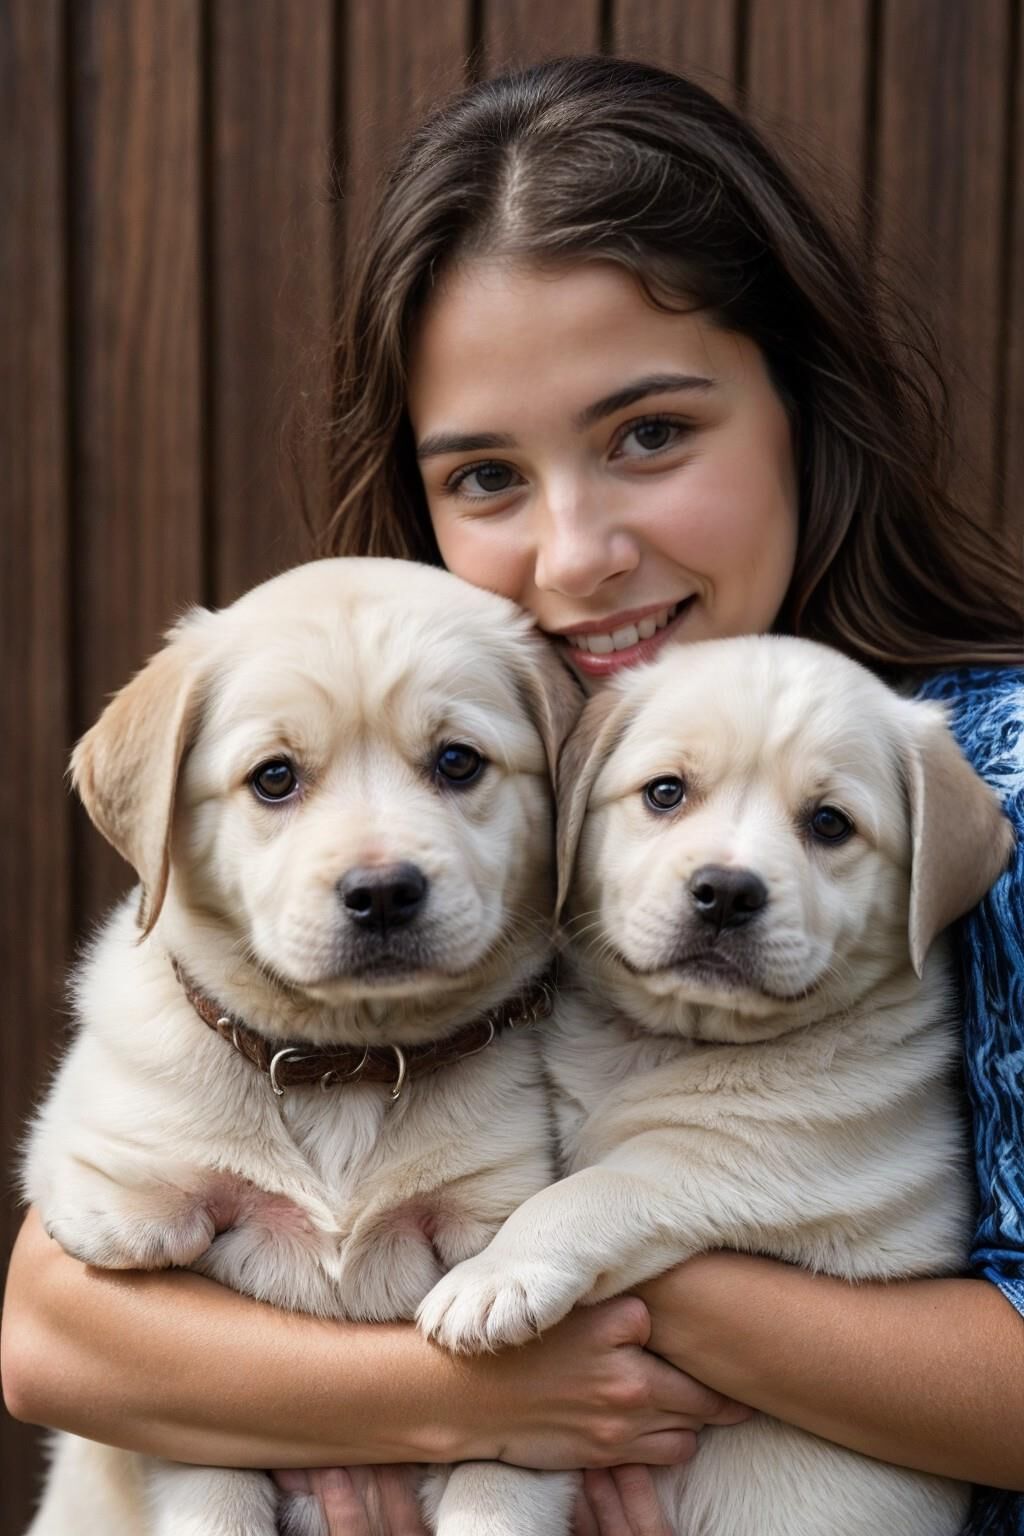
pixel 580 545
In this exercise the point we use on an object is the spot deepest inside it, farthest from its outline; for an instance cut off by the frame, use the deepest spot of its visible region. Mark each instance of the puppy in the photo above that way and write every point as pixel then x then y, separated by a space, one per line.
pixel 302 1066
pixel 760 843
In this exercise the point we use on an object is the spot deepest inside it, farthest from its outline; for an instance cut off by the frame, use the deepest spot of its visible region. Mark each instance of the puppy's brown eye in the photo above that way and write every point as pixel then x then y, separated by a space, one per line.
pixel 459 764
pixel 274 780
pixel 830 826
pixel 665 794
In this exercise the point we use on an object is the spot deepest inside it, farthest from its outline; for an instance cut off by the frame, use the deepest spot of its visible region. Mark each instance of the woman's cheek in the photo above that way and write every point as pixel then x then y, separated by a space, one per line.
pixel 490 552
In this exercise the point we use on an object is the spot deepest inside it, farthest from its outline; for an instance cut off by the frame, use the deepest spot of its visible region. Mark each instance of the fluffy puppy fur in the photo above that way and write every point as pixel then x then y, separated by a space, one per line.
pixel 158 1143
pixel 760 843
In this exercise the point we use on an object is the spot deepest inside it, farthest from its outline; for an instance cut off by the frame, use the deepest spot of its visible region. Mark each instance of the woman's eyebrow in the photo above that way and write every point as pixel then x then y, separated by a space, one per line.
pixel 438 443
pixel 461 442
pixel 639 389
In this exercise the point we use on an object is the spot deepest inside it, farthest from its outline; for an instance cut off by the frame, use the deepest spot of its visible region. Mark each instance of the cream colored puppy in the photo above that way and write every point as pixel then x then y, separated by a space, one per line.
pixel 299 1068
pixel 758 1047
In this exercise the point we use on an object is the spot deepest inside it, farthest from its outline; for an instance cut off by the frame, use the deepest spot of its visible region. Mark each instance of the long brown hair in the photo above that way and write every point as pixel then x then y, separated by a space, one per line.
pixel 599 158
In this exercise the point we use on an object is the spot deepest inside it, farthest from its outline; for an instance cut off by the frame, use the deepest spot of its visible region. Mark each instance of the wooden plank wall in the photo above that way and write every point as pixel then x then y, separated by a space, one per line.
pixel 171 245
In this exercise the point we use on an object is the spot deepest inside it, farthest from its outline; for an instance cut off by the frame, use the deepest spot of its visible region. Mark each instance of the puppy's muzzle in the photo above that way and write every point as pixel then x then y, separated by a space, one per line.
pixel 383 898
pixel 726 898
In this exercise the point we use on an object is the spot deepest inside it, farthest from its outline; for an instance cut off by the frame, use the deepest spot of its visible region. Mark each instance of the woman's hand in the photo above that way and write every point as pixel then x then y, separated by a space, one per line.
pixel 587 1394
pixel 362 1501
pixel 619 1502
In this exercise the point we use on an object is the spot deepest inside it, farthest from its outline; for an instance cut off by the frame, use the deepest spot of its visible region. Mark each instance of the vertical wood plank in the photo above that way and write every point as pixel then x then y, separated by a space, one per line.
pixel 517 33
pixel 137 379
pixel 699 39
pixel 807 89
pixel 35 881
pixel 1011 426
pixel 941 175
pixel 272 270
pixel 396 63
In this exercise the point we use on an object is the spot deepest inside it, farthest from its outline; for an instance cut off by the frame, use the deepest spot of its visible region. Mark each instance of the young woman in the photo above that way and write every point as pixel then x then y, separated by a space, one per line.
pixel 603 357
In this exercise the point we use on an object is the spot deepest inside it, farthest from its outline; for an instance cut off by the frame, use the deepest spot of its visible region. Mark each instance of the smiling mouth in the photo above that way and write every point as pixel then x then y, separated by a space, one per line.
pixel 598 653
pixel 629 634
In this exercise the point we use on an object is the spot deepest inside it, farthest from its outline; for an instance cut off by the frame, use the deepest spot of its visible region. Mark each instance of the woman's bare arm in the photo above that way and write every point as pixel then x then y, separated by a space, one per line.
pixel 924 1373
pixel 174 1365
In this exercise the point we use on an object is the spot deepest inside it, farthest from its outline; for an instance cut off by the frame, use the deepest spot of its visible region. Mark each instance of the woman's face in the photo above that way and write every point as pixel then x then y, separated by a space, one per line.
pixel 624 473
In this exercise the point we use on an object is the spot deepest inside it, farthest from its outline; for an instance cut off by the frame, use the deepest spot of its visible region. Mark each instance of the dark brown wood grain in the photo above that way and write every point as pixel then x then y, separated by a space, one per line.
pixel 397 60
pixel 942 145
pixel 1011 426
pixel 521 32
pixel 271 278
pixel 807 73
pixel 699 39
pixel 137 378
pixel 34 603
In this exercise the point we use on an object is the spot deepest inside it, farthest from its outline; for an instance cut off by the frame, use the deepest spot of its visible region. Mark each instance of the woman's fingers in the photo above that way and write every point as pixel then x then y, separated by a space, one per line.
pixel 399 1500
pixel 640 1501
pixel 343 1505
pixel 368 1501
pixel 584 1520
pixel 664 1448
pixel 605 1503
pixel 680 1395
pixel 622 1502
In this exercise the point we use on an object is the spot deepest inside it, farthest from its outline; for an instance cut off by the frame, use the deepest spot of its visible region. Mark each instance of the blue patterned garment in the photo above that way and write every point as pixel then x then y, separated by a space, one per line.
pixel 987 713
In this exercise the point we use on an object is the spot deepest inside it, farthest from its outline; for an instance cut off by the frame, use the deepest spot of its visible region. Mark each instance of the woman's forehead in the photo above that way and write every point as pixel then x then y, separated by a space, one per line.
pixel 498 340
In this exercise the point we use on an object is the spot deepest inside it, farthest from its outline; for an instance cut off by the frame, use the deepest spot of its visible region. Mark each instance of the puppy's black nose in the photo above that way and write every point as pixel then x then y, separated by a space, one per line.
pixel 727 898
pixel 383 897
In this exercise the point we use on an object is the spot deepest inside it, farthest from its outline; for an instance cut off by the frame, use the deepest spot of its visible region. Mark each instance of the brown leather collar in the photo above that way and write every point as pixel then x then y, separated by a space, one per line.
pixel 297 1064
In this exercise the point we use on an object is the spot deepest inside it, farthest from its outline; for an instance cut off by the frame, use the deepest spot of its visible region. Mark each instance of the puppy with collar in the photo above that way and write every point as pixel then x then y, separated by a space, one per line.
pixel 756 1047
pixel 300 1067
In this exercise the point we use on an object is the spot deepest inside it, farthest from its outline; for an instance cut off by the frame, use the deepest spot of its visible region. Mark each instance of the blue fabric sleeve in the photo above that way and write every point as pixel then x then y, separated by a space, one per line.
pixel 987 712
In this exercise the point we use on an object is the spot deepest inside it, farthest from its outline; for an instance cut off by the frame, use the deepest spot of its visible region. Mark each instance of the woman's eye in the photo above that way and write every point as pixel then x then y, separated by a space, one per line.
pixel 274 780
pixel 645 438
pixel 830 825
pixel 483 480
pixel 665 794
pixel 459 764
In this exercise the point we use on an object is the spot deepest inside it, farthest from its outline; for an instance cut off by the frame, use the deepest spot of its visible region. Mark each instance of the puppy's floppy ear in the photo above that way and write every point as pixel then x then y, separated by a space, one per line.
pixel 599 727
pixel 961 841
pixel 126 767
pixel 553 697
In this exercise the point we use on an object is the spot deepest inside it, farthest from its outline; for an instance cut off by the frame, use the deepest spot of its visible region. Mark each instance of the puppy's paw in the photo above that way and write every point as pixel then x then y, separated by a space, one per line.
pixel 488 1302
pixel 131 1229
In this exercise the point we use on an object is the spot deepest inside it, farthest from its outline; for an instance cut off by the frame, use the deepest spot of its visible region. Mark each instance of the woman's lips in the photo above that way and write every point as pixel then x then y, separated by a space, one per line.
pixel 615 661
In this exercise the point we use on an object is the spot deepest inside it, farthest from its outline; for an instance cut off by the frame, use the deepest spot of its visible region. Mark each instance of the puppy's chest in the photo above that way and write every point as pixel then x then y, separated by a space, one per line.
pixel 397 1193
pixel 290 1233
pixel 588 1059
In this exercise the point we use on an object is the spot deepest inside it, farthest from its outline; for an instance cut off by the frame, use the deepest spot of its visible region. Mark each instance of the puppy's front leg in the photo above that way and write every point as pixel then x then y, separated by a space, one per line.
pixel 153 1222
pixel 598 1231
pixel 481 1498
pixel 209 1501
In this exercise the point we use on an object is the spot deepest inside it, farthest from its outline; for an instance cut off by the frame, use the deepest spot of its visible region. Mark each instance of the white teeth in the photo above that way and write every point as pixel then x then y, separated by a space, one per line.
pixel 629 634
